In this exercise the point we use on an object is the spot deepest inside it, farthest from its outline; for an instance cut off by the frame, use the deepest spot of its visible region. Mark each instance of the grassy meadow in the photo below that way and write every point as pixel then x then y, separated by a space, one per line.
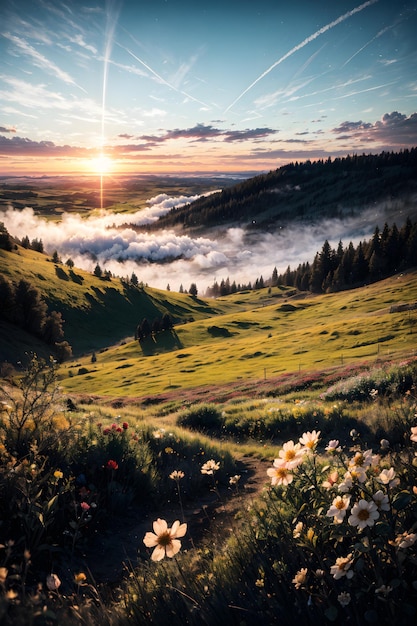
pixel 127 473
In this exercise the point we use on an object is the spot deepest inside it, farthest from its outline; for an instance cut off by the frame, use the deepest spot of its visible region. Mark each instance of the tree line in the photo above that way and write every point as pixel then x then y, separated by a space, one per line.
pixel 387 252
pixel 301 190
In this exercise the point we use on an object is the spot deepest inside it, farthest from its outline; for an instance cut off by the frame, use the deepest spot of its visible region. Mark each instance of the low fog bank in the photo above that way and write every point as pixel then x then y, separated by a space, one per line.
pixel 166 258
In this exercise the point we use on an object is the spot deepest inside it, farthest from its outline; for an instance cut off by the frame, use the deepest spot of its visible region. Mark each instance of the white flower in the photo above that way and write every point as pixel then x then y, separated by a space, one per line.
pixel 363 514
pixel 338 508
pixel 309 440
pixel 344 598
pixel 279 474
pixel 346 484
pixel 164 540
pixel 381 500
pixel 298 528
pixel 210 467
pixel 361 459
pixel 300 578
pixel 413 435
pixel 384 590
pixel 333 446
pixel 233 480
pixel 290 456
pixel 331 480
pixel 387 477
pixel 384 443
pixel 177 475
pixel 342 567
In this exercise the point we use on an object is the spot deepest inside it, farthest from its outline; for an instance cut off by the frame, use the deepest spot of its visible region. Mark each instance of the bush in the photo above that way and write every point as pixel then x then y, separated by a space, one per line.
pixel 205 418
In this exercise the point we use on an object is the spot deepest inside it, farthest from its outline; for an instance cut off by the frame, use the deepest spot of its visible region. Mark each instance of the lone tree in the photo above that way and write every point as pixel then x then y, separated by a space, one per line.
pixel 193 291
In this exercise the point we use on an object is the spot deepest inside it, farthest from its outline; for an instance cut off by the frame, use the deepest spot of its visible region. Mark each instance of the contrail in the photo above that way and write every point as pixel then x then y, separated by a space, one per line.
pixel 381 32
pixel 162 80
pixel 306 41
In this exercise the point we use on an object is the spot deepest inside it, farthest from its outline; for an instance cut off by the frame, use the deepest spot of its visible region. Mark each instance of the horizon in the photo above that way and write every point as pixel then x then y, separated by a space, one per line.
pixel 175 88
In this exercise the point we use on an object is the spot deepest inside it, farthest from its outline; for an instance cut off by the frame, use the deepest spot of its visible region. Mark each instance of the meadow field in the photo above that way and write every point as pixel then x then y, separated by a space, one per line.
pixel 256 460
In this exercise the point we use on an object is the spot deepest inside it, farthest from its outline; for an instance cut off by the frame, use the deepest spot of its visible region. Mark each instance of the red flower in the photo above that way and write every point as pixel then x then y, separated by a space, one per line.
pixel 112 465
pixel 125 425
pixel 106 431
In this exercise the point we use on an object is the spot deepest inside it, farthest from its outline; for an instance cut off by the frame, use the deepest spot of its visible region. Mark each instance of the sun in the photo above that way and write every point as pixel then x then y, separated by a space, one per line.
pixel 102 164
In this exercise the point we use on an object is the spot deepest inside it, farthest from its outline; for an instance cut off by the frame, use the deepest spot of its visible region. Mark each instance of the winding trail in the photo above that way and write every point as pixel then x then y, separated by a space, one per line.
pixel 114 551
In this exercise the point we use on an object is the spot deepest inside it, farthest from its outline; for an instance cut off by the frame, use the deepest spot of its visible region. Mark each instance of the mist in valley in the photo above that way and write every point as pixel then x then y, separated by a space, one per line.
pixel 163 258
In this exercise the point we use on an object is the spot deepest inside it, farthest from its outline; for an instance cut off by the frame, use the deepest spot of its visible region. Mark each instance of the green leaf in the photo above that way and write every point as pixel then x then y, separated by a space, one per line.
pixel 401 500
pixel 331 613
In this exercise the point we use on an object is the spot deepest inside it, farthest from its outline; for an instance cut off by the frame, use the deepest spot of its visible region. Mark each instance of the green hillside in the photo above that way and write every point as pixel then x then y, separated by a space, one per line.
pixel 275 334
pixel 96 312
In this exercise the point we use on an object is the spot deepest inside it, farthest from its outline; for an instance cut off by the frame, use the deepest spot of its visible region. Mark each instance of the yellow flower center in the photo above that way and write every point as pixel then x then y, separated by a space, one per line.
pixel 339 504
pixel 281 472
pixel 289 455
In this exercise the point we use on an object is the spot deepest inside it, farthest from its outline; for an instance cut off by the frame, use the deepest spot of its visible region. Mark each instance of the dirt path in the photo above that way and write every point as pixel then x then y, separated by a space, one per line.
pixel 112 552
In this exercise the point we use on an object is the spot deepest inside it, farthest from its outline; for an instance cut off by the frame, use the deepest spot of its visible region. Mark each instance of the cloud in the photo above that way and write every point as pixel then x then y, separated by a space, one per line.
pixel 40 60
pixel 162 258
pixel 4 129
pixel 393 128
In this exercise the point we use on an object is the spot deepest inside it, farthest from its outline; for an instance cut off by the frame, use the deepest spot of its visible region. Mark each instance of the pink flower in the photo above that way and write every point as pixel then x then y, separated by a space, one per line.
pixel 53 582
pixel 112 465
pixel 85 506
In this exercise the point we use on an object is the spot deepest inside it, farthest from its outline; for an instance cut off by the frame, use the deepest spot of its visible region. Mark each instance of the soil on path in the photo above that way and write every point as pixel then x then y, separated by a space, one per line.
pixel 113 553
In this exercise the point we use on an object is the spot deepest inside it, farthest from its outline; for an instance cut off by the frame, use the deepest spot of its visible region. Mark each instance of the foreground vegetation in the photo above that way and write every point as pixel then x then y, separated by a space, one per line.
pixel 331 537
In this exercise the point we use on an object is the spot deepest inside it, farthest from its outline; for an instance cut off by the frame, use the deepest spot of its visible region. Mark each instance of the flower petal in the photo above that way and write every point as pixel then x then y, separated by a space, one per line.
pixel 173 548
pixel 158 554
pixel 150 540
pixel 160 526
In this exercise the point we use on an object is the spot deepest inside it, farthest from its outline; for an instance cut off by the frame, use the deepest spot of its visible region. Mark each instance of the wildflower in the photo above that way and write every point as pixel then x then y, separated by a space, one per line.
pixel 363 514
pixel 361 459
pixel 406 540
pixel 387 477
pixel 381 500
pixel 309 440
pixel 346 484
pixel 338 508
pixel 413 435
pixel 374 393
pixel 177 475
pixel 290 456
pixel 125 425
pixel 58 474
pixel 358 473
pixel 344 598
pixel 80 578
pixel 384 443
pixel 106 431
pixel 342 567
pixel 233 480
pixel 300 578
pixel 210 467
pixel 279 475
pixel 164 540
pixel 297 530
pixel 3 574
pixel 331 480
pixel 85 506
pixel 53 582
pixel 383 590
pixel 112 465
pixel 333 446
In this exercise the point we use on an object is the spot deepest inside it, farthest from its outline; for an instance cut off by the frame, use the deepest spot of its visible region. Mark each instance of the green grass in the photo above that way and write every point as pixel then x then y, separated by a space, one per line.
pixel 260 343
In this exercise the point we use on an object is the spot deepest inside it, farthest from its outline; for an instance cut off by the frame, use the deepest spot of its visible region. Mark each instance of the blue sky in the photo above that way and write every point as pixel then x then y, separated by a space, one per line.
pixel 173 86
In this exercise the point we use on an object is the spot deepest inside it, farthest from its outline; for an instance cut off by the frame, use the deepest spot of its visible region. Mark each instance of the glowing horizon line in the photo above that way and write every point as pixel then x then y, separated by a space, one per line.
pixel 301 45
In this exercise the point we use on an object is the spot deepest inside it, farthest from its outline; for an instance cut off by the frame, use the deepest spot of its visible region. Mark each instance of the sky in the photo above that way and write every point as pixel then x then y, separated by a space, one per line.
pixel 174 86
